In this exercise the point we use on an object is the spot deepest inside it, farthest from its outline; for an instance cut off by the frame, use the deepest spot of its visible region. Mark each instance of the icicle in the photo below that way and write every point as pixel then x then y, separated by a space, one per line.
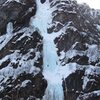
pixel 9 28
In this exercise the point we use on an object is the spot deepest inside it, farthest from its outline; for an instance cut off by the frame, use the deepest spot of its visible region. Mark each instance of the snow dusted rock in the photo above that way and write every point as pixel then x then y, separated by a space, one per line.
pixel 52 53
pixel 79 43
pixel 21 57
pixel 18 13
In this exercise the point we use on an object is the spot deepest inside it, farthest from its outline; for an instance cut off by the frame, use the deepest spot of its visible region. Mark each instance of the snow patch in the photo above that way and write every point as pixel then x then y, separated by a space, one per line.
pixel 24 83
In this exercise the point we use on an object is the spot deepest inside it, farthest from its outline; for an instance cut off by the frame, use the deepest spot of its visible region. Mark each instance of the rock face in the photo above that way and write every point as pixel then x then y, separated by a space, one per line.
pixel 77 38
pixel 20 53
pixel 17 12
pixel 80 44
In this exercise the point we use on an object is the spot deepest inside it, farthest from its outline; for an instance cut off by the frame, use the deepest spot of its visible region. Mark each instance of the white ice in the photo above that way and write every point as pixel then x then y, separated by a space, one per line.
pixel 6 38
pixel 52 70
pixel 9 28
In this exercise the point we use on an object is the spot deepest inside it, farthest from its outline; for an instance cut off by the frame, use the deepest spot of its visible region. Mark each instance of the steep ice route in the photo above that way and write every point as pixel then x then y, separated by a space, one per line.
pixel 51 68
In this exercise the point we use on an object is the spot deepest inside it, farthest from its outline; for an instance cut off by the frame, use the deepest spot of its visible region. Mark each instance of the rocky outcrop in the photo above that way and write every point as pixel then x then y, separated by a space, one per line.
pixel 78 44
pixel 21 57
pixel 19 13
pixel 21 50
pixel 21 66
pixel 26 86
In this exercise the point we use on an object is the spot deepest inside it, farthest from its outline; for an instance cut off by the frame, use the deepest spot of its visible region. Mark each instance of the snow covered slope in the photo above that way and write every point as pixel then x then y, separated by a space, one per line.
pixel 49 50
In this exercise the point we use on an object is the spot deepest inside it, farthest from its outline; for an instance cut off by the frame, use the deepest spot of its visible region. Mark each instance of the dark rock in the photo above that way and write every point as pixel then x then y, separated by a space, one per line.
pixel 17 13
pixel 42 1
pixel 73 85
pixel 81 60
pixel 23 45
pixel 35 87
pixel 93 84
pixel 81 47
pixel 4 64
pixel 21 58
pixel 68 40
pixel 95 95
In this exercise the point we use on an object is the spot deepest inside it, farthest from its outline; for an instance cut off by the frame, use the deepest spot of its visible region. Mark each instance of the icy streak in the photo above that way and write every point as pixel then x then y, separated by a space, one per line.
pixel 41 21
